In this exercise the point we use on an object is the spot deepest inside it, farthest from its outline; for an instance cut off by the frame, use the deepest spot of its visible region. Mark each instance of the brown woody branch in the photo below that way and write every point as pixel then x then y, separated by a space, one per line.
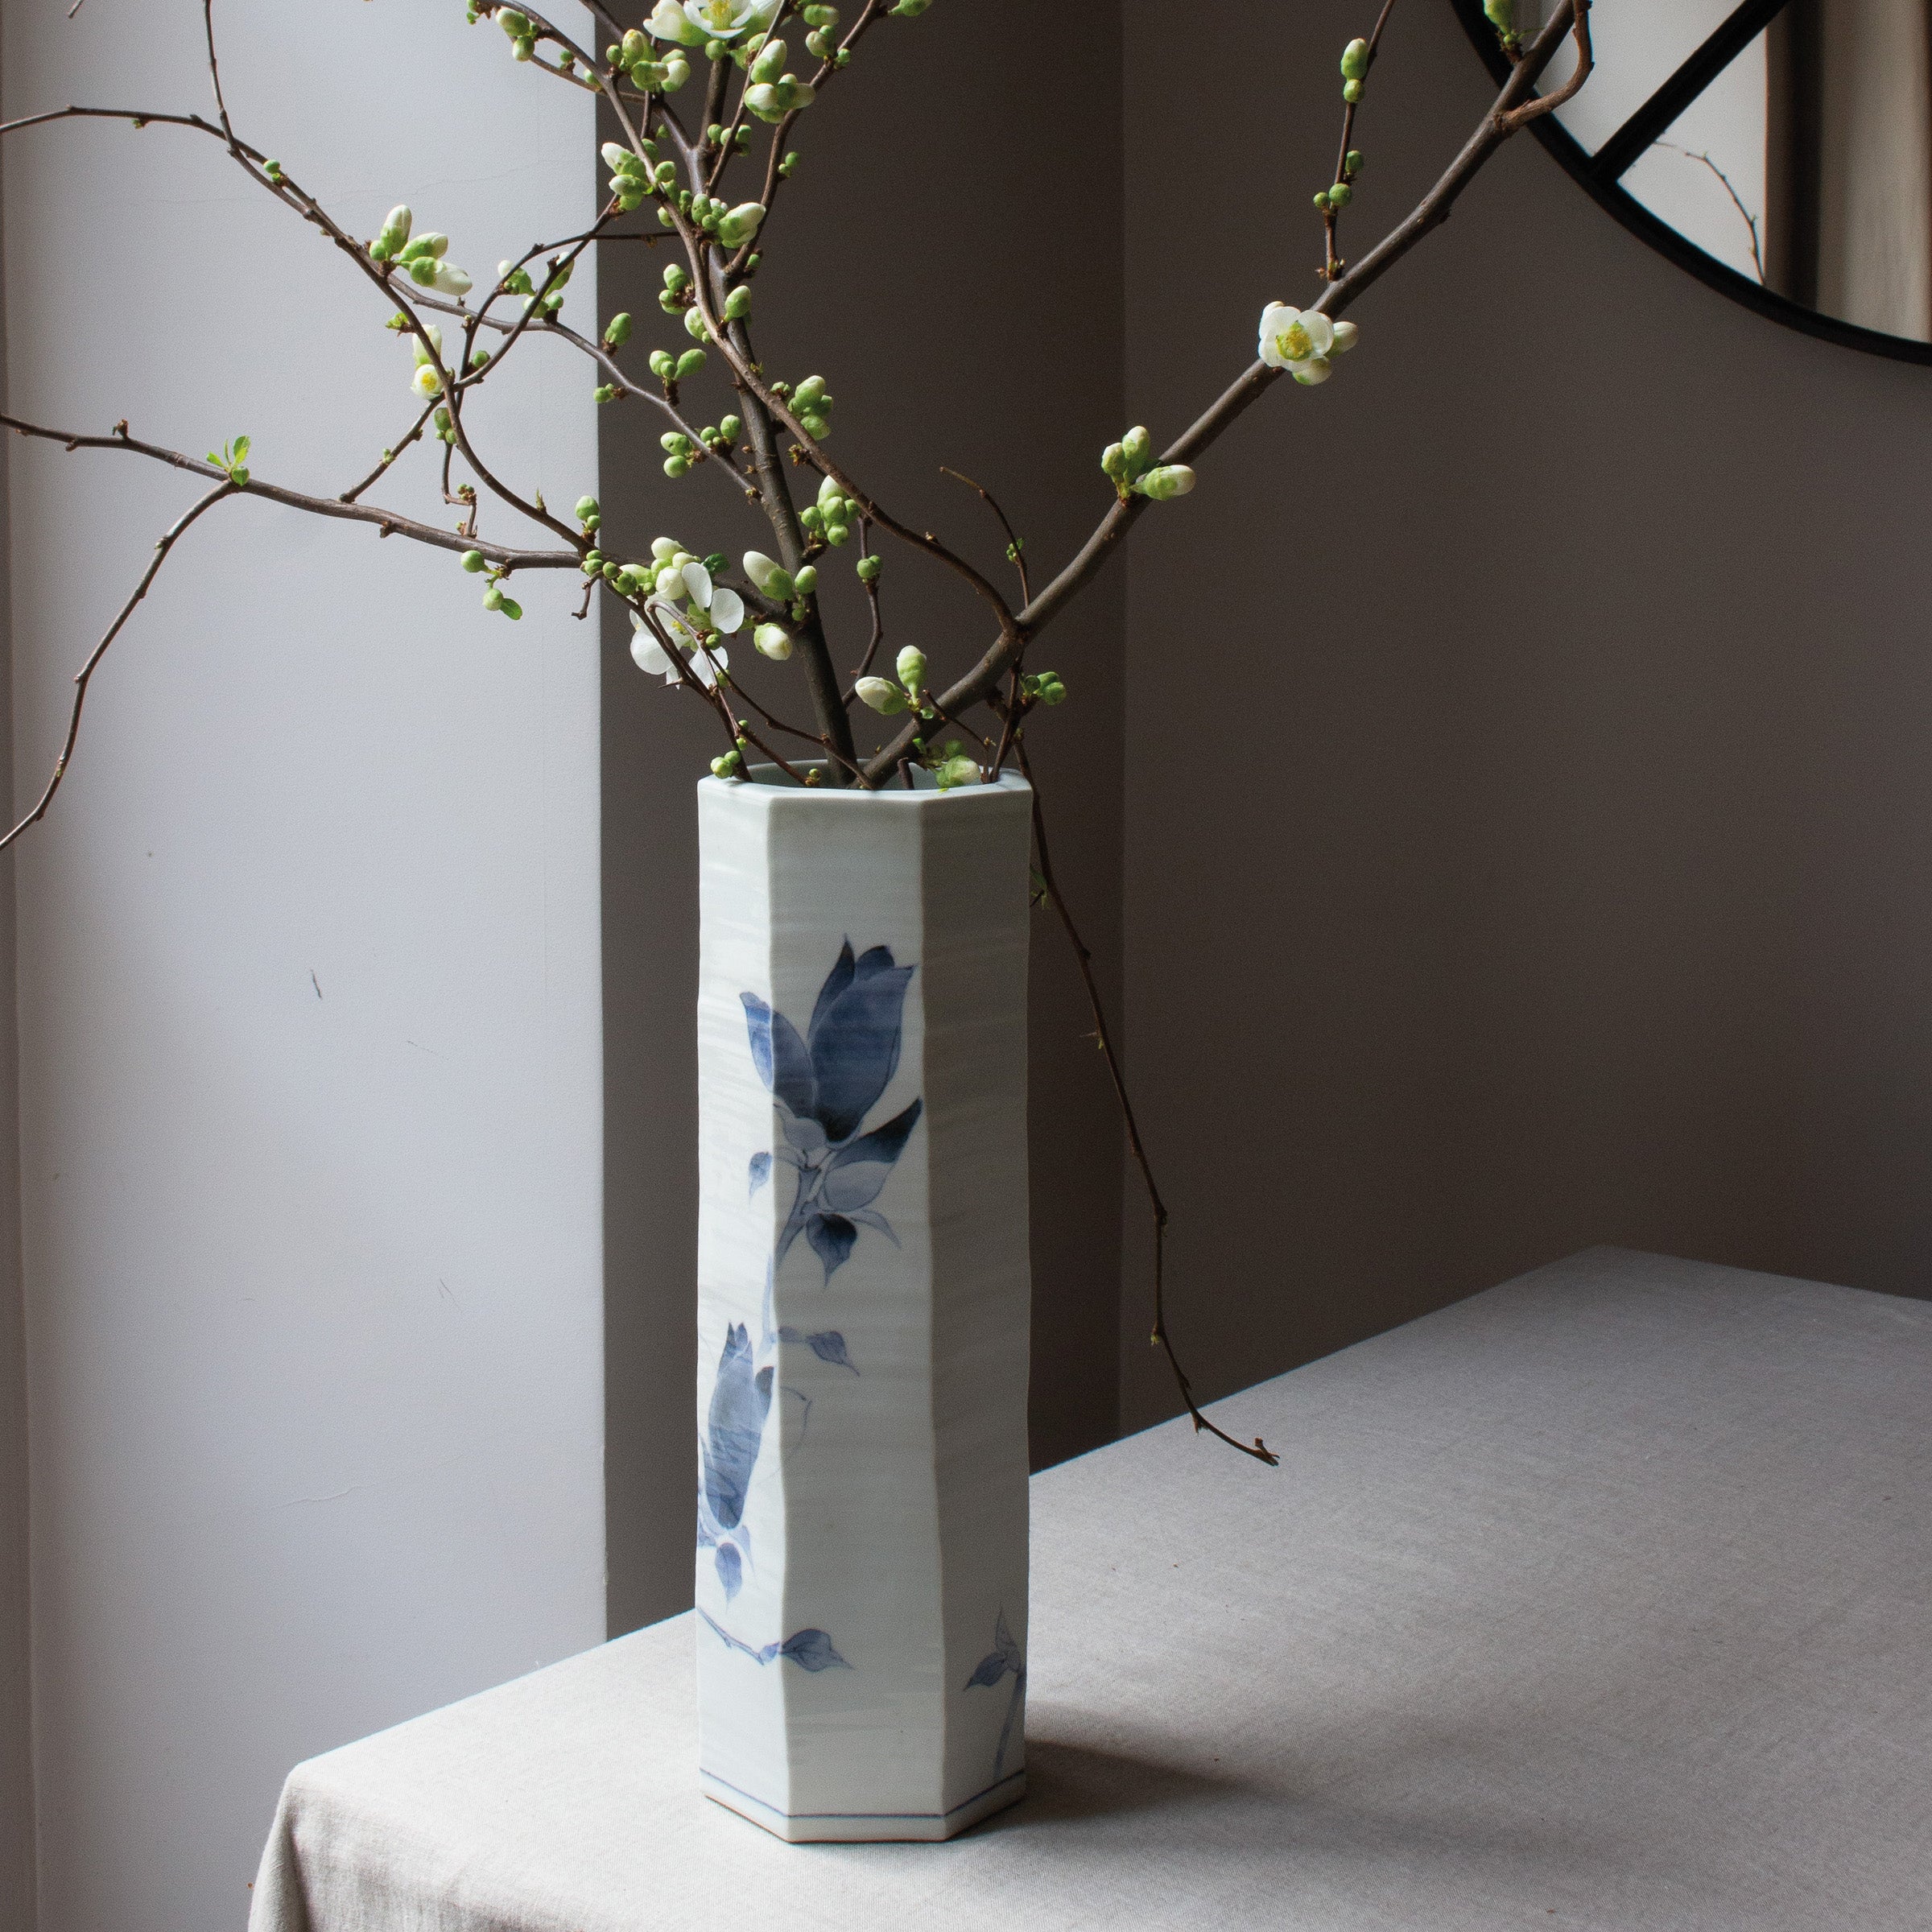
pixel 1571 18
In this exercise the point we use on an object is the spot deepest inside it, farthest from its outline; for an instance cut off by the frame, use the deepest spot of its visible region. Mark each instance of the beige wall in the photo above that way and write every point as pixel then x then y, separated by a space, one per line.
pixel 1571 880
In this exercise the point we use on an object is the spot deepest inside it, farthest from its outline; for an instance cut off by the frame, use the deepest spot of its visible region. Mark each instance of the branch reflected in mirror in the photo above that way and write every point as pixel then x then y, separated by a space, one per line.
pixel 1780 150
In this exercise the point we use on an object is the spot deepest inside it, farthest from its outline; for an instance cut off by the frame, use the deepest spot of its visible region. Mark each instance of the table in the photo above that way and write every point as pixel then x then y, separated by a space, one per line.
pixel 1603 1599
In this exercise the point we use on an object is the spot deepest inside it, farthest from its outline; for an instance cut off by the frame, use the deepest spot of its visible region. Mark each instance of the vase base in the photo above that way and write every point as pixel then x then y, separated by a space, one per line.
pixel 839 1828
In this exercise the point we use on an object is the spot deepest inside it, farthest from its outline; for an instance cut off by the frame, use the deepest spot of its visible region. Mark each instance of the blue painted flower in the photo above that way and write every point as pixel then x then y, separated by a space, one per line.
pixel 827 1080
pixel 740 1400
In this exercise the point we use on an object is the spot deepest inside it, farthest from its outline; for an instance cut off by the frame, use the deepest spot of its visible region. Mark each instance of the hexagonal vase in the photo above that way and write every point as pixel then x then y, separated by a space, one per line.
pixel 863 1306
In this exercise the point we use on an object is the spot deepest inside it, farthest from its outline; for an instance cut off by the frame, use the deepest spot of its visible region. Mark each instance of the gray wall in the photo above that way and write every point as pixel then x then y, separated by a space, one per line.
pixel 16 1677
pixel 961 292
pixel 1540 851
pixel 309 960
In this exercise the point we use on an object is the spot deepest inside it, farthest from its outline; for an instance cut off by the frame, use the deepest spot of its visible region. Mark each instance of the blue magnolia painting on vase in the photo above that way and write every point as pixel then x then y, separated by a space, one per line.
pixel 826 1082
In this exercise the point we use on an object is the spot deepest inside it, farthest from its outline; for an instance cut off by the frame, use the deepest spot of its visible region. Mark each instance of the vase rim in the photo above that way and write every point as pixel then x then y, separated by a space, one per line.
pixel 765 781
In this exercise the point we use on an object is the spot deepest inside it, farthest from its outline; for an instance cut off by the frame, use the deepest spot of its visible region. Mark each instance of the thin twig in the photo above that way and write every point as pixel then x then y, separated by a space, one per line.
pixel 1757 259
pixel 1016 544
pixel 85 676
pixel 1104 1035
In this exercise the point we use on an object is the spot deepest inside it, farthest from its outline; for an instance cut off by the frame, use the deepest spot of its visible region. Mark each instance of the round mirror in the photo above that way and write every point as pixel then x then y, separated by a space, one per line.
pixel 1780 150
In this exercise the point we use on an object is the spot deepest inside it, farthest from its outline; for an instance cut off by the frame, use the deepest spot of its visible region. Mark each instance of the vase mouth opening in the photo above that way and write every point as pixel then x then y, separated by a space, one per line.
pixel 923 781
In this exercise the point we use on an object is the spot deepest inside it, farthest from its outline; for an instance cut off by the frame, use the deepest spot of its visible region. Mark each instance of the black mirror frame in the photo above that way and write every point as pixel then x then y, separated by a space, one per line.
pixel 1575 161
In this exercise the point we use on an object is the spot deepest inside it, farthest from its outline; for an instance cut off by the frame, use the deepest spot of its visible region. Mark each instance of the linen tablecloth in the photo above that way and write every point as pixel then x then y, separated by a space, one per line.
pixel 1603 1599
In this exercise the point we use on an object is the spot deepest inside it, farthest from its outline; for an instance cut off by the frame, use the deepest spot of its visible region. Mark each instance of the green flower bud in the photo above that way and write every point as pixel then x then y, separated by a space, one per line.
pixel 524 49
pixel 1321 201
pixel 837 534
pixel 474 560
pixel 768 574
pixel 633 48
pixel 587 508
pixel 909 9
pixel 676 466
pixel 1113 461
pixel 807 581
pixel 619 333
pixel 737 304
pixel 814 426
pixel 955 771
pixel 663 364
pixel 1352 91
pixel 517 25
pixel 740 224
pixel 810 393
pixel 731 428
pixel 769 63
pixel 1136 449
pixel 677 71
pixel 773 641
pixel 765 101
pixel 674 441
pixel 880 694
pixel 1162 485
pixel 620 159
pixel 689 364
pixel 911 668
pixel 1355 59
pixel 493 598
pixel 830 492
pixel 868 569
pixel 694 325
pixel 395 230
pixel 1353 165
pixel 1340 195
pixel 727 766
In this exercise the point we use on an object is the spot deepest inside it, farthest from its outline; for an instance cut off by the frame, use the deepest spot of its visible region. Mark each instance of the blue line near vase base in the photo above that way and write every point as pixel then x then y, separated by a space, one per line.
pixel 862 1828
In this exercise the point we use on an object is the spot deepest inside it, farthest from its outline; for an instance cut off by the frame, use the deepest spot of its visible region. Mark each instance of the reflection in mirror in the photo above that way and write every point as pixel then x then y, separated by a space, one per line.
pixel 1790 140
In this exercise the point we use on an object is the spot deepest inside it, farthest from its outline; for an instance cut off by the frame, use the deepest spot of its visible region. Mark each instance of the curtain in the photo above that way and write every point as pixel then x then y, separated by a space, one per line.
pixel 1849 161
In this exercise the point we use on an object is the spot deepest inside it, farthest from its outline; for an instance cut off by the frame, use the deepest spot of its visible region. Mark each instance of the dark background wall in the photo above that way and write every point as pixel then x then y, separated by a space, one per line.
pixel 1504 778
pixel 1530 803
pixel 949 258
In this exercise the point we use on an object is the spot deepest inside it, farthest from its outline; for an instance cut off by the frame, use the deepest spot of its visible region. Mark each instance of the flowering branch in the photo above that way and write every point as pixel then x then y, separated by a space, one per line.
pixel 684 606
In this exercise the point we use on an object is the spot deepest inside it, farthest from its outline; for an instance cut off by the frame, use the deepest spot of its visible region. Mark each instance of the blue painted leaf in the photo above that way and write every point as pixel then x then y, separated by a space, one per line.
pixel 808 1137
pixel 740 1399
pixel 731 1570
pixel 870 1217
pixel 861 1168
pixel 830 1347
pixel 855 1040
pixel 1003 1637
pixel 812 1650
pixel 760 1170
pixel 780 1057
pixel 843 972
pixel 832 1236
pixel 992 1668
pixel 757 1023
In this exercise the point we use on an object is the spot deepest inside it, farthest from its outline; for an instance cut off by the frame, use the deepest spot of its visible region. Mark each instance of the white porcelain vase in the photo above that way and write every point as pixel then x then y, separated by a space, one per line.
pixel 863 1306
